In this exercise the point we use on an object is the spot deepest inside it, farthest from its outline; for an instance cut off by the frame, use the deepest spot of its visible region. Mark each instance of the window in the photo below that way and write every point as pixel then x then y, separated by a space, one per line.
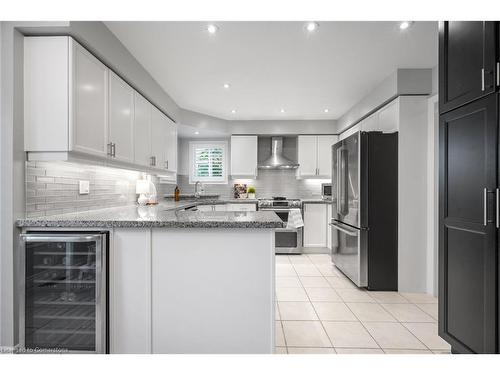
pixel 207 162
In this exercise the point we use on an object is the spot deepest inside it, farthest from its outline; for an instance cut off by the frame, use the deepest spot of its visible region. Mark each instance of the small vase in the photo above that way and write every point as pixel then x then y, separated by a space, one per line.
pixel 251 195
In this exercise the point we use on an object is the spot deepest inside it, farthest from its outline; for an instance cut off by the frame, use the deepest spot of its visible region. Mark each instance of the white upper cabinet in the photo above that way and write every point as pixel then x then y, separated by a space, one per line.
pixel 314 154
pixel 163 141
pixel 244 155
pixel 307 155
pixel 325 143
pixel 171 146
pixel 158 138
pixel 74 106
pixel 121 119
pixel 90 93
pixel 384 120
pixel 388 118
pixel 142 130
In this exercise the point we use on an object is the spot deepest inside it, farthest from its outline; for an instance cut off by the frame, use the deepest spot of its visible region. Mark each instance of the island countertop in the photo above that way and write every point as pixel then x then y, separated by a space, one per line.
pixel 164 215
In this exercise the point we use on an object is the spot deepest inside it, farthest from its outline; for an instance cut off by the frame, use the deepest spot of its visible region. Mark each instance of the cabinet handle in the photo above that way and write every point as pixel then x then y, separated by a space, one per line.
pixel 152 161
pixel 109 153
pixel 498 73
pixel 482 79
pixel 167 164
pixel 113 149
pixel 497 196
pixel 485 207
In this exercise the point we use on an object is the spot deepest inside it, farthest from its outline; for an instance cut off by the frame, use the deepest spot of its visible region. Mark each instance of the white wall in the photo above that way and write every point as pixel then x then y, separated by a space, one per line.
pixel 12 158
pixel 432 194
pixel 284 127
pixel 412 190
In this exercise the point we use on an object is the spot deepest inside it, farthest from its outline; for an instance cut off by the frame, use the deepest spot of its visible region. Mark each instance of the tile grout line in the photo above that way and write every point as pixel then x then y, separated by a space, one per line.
pixel 401 324
pixel 320 321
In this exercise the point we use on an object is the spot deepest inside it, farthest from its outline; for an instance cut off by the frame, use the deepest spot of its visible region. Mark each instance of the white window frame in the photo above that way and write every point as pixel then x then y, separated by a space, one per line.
pixel 208 180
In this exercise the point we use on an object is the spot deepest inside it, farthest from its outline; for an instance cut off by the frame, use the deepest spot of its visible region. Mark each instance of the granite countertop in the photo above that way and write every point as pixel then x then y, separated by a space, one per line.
pixel 164 215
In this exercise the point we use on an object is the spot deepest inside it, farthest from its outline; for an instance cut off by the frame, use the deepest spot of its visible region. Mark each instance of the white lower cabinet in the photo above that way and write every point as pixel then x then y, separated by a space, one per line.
pixel 130 291
pixel 213 291
pixel 314 224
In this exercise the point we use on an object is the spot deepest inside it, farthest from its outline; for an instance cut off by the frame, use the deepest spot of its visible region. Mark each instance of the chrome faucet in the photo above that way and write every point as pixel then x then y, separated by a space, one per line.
pixel 197 189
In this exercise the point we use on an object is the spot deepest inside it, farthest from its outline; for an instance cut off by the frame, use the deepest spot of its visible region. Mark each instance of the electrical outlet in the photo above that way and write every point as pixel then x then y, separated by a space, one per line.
pixel 84 187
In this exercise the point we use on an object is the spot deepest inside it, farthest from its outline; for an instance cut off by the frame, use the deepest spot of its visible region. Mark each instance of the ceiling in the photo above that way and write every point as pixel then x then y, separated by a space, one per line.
pixel 272 66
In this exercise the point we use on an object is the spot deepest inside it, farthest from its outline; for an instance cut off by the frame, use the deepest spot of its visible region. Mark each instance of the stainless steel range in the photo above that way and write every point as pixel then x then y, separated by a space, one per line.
pixel 287 240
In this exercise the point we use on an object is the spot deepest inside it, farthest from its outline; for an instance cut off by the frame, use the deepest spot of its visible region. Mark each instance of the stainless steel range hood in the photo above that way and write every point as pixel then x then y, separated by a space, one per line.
pixel 277 160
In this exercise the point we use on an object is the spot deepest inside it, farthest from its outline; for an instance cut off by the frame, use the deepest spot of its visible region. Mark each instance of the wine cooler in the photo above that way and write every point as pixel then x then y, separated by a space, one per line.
pixel 64 292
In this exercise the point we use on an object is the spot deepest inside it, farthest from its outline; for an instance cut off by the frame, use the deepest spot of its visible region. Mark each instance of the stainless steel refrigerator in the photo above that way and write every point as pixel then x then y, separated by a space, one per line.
pixel 364 219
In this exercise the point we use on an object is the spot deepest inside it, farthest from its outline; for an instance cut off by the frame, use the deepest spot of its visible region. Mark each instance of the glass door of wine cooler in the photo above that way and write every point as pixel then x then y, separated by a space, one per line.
pixel 64 292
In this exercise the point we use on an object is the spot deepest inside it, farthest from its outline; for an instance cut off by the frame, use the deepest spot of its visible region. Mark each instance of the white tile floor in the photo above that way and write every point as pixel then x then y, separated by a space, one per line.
pixel 320 311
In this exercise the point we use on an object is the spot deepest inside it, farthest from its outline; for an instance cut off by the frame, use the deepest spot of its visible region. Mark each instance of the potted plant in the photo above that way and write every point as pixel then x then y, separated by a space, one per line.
pixel 251 192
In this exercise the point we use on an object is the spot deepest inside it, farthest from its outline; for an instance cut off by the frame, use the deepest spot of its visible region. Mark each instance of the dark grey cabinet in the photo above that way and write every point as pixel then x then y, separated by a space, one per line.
pixel 467 62
pixel 468 227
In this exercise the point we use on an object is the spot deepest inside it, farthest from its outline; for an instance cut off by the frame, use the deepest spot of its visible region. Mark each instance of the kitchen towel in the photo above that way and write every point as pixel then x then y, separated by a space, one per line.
pixel 294 219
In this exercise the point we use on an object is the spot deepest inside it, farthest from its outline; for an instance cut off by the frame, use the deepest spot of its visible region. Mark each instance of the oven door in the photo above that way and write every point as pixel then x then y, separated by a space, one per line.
pixel 286 240
pixel 348 253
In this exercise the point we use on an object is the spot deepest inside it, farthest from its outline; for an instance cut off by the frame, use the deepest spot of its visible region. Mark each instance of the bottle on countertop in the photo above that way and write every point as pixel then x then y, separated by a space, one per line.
pixel 177 194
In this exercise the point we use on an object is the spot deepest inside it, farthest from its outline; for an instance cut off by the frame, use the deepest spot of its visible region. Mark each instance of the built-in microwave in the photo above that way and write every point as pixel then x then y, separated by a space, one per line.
pixel 326 191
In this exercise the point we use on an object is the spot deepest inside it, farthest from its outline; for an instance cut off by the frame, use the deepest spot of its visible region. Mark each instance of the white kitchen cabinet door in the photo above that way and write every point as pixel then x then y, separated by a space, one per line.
pixel 121 118
pixel 220 207
pixel 244 155
pixel 328 227
pixel 46 100
pixel 90 103
pixel 370 123
pixel 307 155
pixel 171 146
pixel 142 130
pixel 130 291
pixel 315 225
pixel 241 207
pixel 159 124
pixel 388 118
pixel 325 143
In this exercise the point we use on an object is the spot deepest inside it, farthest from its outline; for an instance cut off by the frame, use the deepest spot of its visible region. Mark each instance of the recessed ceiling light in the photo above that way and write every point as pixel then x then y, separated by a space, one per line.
pixel 196 132
pixel 326 110
pixel 212 29
pixel 405 25
pixel 312 26
pixel 282 110
pixel 226 85
pixel 233 111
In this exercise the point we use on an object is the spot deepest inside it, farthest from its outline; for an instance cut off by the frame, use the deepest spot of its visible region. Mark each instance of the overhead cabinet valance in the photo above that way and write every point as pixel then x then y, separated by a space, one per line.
pixel 76 107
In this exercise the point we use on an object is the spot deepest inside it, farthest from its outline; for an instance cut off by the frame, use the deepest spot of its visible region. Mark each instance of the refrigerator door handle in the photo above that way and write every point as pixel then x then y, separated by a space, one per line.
pixel 497 207
pixel 353 232
pixel 485 206
pixel 338 182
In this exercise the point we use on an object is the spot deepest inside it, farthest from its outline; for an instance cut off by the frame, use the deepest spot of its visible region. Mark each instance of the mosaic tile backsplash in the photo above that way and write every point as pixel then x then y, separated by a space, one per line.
pixel 52 187
pixel 268 183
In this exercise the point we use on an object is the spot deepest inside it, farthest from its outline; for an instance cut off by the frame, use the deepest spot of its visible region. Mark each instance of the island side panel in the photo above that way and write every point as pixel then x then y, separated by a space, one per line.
pixel 213 290
pixel 130 291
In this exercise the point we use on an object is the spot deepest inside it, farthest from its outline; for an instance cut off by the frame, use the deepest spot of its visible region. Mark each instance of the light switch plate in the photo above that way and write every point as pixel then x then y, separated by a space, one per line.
pixel 84 187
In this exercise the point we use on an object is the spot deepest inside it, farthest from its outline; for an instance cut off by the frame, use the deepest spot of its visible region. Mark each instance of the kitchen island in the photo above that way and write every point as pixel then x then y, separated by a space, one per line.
pixel 183 281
